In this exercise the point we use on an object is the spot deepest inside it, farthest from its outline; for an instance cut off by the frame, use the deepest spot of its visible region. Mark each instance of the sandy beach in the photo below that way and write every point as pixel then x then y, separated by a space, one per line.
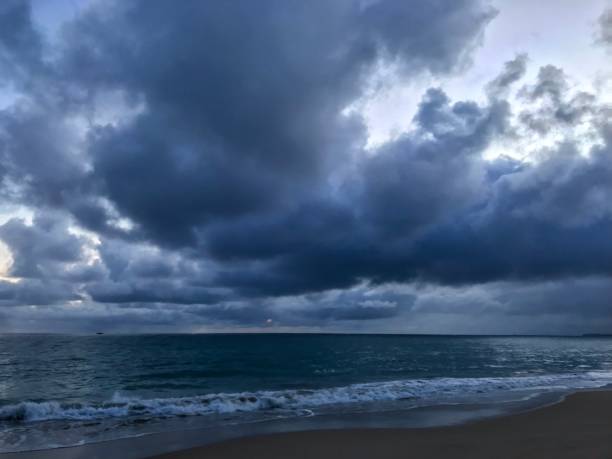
pixel 578 427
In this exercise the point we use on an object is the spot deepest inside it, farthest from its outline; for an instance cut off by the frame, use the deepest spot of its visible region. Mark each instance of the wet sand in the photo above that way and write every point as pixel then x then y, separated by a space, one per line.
pixel 579 427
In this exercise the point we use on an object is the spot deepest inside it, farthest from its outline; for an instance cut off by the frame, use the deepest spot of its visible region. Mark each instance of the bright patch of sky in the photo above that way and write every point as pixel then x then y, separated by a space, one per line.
pixel 560 33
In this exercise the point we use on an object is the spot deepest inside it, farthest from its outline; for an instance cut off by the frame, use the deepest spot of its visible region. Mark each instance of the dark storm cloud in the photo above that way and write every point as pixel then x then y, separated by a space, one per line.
pixel 433 211
pixel 47 257
pixel 47 263
pixel 151 291
pixel 588 297
pixel 403 187
pixel 549 220
pixel 409 186
pixel 38 155
pixel 43 164
pixel 41 248
pixel 357 304
pixel 234 188
pixel 243 100
pixel 568 306
pixel 138 273
pixel 353 312
pixel 36 292
pixel 20 44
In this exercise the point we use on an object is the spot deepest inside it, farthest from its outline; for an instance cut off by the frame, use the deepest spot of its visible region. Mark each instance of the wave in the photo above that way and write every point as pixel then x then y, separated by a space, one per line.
pixel 421 391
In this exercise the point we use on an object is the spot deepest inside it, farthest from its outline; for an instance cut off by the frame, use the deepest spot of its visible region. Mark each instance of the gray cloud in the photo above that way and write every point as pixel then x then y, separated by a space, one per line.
pixel 605 28
pixel 39 156
pixel 239 191
pixel 36 292
pixel 551 84
pixel 558 106
pixel 41 249
pixel 20 44
pixel 211 160
pixel 513 71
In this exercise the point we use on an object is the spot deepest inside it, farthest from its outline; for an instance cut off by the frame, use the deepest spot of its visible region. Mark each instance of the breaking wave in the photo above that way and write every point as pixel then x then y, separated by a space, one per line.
pixel 422 391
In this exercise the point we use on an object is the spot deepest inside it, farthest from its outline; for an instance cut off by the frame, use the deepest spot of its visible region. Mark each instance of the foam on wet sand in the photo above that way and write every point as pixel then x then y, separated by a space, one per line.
pixel 578 427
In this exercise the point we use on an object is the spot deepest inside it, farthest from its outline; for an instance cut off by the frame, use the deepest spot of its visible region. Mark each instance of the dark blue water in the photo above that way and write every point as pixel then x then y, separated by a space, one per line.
pixel 48 382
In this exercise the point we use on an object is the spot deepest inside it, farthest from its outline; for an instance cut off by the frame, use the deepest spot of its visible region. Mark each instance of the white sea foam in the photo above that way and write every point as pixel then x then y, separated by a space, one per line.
pixel 421 391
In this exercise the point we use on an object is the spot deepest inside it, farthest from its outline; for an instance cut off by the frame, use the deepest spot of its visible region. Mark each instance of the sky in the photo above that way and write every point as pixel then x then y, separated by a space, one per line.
pixel 378 166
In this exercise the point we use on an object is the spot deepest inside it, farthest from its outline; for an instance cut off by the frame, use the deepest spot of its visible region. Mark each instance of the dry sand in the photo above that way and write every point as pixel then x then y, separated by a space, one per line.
pixel 579 427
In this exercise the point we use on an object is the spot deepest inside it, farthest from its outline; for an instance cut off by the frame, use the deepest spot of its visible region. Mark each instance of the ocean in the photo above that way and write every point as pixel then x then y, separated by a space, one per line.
pixel 58 390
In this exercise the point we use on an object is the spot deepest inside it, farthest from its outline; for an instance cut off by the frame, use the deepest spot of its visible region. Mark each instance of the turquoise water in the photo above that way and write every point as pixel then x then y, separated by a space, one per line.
pixel 112 386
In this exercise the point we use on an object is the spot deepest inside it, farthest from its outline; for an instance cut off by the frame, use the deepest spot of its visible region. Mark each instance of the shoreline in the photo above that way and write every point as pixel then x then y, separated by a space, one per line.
pixel 579 426
pixel 188 444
